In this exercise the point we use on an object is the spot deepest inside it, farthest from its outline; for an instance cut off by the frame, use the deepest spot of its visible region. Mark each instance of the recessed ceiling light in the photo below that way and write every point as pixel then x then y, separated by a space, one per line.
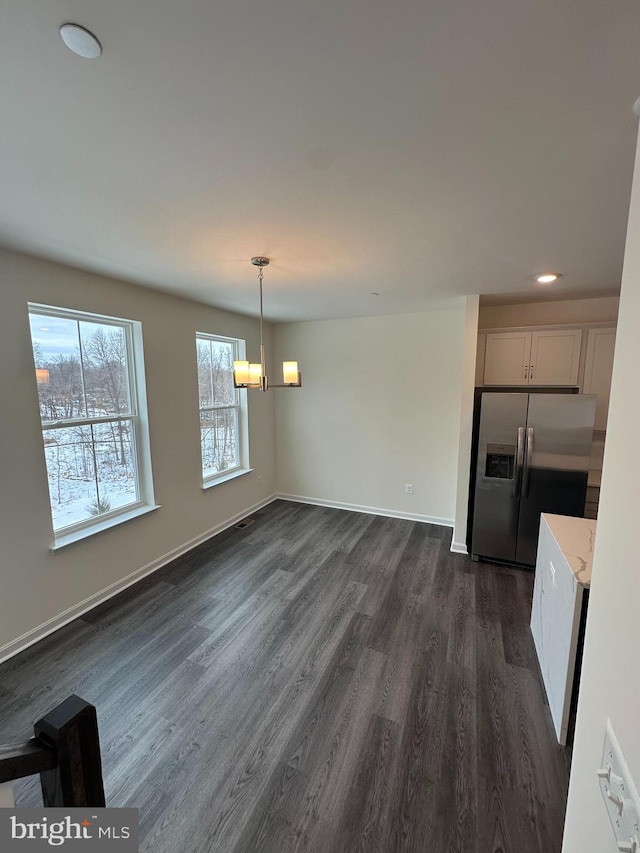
pixel 80 41
pixel 547 278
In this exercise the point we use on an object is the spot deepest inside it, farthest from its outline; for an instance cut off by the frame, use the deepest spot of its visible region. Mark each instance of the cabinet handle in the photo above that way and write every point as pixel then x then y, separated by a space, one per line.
pixel 531 372
pixel 526 371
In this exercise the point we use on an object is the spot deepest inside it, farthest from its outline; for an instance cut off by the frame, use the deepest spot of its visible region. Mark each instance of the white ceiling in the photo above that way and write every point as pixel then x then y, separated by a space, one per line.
pixel 423 149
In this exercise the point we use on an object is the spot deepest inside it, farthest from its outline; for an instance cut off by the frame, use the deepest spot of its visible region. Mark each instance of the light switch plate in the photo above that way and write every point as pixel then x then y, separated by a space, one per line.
pixel 619 793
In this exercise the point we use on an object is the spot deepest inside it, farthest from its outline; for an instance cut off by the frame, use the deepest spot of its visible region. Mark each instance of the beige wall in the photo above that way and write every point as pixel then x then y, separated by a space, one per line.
pixel 610 685
pixel 379 407
pixel 597 310
pixel 459 543
pixel 37 585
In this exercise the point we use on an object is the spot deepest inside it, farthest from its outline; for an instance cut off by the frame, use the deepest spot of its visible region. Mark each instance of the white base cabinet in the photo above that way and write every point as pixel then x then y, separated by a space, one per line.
pixel 563 575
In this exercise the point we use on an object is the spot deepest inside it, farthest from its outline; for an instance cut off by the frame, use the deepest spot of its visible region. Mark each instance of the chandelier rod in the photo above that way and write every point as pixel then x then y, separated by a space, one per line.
pixel 262 358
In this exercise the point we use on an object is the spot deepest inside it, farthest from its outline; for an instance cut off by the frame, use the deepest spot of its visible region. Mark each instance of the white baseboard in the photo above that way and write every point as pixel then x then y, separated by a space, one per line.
pixel 21 643
pixel 371 510
pixel 459 548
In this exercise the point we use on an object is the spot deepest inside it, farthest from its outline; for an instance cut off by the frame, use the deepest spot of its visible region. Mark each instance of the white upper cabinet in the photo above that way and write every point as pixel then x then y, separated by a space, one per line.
pixel 506 358
pixel 555 357
pixel 533 358
pixel 598 369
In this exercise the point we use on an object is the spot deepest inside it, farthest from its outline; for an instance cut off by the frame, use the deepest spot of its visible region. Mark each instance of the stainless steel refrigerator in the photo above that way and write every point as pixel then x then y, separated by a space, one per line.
pixel 533 455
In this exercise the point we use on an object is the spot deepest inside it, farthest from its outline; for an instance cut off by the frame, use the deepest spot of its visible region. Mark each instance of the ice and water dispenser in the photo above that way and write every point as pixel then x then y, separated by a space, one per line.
pixel 500 463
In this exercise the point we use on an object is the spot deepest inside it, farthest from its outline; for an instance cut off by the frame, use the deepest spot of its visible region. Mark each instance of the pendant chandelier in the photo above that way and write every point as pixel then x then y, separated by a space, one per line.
pixel 248 374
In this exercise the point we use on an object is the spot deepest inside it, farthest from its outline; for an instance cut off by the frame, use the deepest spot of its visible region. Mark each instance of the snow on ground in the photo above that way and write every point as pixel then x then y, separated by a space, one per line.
pixel 79 493
pixel 87 478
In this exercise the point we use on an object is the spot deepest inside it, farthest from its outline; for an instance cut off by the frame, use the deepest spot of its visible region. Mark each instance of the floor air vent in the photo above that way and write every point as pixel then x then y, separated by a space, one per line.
pixel 244 523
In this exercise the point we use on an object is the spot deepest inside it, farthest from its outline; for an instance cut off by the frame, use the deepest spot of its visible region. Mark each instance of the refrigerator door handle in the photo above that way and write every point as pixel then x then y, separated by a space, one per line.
pixel 527 467
pixel 517 480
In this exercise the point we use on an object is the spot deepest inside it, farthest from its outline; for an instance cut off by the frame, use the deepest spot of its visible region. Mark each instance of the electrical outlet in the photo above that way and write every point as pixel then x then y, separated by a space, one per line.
pixel 259 479
pixel 408 488
pixel 619 793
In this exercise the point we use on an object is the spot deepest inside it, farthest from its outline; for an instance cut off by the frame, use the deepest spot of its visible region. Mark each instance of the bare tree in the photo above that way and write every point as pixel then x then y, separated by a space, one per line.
pixel 105 377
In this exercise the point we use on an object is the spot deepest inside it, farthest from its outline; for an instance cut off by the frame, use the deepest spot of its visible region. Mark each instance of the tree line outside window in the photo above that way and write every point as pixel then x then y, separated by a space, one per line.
pixel 219 405
pixel 88 415
pixel 89 409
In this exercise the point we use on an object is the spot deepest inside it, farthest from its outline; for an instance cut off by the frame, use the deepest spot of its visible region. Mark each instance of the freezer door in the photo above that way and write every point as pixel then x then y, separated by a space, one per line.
pixel 557 452
pixel 503 420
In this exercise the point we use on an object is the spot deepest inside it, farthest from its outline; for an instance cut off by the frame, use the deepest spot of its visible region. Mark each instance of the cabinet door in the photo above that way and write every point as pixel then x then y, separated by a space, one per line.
pixel 506 358
pixel 597 372
pixel 555 357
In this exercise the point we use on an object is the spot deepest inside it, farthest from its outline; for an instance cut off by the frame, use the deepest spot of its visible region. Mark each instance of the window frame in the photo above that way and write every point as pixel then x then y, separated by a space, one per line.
pixel 241 416
pixel 136 415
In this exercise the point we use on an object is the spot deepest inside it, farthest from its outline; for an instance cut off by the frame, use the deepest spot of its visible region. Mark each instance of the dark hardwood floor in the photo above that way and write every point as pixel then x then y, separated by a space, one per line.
pixel 319 681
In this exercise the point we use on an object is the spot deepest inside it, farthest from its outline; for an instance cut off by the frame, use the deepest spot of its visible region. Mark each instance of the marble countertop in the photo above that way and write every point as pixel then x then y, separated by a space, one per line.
pixel 576 538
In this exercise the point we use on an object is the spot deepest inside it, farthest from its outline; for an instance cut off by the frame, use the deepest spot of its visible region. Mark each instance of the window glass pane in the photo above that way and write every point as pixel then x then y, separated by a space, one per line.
pixel 71 472
pixel 222 356
pixel 219 402
pixel 218 437
pixel 115 460
pixel 83 372
pixel 204 372
pixel 104 363
pixel 56 353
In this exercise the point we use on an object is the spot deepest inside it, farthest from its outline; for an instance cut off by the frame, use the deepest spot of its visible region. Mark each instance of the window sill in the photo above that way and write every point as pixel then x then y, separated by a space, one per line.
pixel 224 478
pixel 68 539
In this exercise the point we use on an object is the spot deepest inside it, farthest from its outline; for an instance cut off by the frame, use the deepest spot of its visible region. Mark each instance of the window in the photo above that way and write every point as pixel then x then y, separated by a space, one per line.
pixel 222 407
pixel 91 393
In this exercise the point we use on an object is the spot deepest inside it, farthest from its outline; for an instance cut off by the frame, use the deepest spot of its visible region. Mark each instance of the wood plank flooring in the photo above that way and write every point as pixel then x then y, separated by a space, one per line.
pixel 319 681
